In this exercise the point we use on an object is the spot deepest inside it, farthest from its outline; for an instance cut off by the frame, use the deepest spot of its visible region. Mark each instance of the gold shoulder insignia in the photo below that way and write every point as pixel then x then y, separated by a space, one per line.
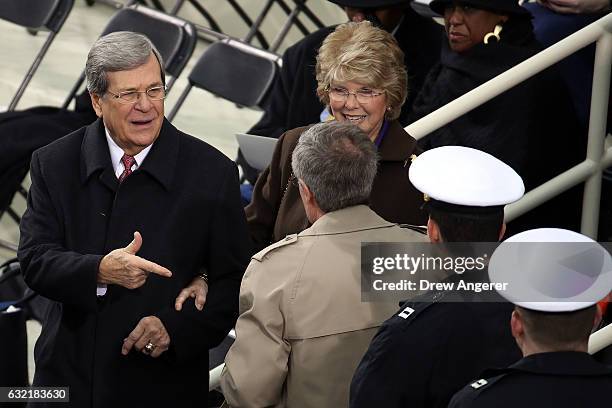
pixel 410 159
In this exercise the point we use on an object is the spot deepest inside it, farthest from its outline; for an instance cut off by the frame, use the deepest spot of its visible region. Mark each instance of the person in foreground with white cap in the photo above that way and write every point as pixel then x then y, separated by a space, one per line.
pixel 431 348
pixel 551 330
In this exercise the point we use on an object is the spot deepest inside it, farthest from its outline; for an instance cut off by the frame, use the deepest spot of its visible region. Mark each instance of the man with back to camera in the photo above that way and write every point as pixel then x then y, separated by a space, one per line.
pixel 303 326
pixel 553 334
pixel 431 347
pixel 121 216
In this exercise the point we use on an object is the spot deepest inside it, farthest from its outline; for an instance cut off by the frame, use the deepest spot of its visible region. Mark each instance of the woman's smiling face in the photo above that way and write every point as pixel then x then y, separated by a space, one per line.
pixel 368 114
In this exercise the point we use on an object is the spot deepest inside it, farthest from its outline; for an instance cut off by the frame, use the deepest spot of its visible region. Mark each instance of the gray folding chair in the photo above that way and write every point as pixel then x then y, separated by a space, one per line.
pixel 234 71
pixel 174 38
pixel 37 15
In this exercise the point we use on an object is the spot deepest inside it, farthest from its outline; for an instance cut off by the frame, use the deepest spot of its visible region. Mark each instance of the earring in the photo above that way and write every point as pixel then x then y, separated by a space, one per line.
pixel 494 33
pixel 388 112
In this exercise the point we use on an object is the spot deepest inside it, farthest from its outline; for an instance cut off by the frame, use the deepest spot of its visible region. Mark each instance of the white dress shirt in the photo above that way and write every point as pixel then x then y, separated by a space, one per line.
pixel 117 153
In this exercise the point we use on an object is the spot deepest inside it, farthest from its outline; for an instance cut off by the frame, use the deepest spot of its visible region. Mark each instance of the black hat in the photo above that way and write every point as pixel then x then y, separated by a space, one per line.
pixel 496 6
pixel 369 3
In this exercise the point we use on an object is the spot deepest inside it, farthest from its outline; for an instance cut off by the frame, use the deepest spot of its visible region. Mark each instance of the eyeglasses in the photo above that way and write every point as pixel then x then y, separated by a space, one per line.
pixel 155 93
pixel 363 96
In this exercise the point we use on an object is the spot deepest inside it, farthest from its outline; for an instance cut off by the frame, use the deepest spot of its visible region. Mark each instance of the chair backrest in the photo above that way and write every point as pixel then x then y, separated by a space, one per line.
pixel 36 14
pixel 236 71
pixel 48 15
pixel 173 37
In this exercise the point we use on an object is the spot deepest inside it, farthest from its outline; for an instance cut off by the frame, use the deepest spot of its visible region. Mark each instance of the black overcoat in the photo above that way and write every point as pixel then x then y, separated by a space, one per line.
pixel 184 200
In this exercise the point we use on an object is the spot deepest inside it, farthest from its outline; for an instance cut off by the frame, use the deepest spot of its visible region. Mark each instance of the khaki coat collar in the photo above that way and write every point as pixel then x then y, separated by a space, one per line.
pixel 351 219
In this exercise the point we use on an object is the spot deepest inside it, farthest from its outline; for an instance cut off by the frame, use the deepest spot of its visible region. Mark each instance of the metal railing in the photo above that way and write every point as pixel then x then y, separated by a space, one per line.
pixel 599 151
pixel 214 376
pixel 601 339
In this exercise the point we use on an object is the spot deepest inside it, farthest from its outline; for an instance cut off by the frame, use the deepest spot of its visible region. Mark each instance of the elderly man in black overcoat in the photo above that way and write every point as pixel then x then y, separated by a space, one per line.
pixel 123 214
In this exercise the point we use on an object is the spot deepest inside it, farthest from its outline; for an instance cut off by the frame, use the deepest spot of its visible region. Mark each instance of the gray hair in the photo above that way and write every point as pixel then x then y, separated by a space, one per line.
pixel 118 51
pixel 338 163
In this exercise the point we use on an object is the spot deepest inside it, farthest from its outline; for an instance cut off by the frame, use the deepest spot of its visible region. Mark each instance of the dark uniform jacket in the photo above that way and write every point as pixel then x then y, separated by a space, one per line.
pixel 429 350
pixel 558 379
pixel 184 201
pixel 276 209
pixel 294 101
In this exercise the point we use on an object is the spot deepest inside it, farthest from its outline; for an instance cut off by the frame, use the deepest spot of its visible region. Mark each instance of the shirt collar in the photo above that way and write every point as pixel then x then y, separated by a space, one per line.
pixel 161 163
pixel 381 134
pixel 116 153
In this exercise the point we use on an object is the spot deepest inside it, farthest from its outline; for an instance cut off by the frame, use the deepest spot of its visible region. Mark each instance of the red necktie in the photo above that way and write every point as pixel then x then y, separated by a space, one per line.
pixel 128 162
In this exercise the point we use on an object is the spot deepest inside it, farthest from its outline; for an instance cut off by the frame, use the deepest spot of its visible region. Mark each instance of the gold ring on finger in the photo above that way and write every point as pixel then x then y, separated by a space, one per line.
pixel 149 348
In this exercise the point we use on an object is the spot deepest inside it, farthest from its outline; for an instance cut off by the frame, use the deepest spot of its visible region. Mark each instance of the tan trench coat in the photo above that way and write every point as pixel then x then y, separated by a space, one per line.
pixel 303 328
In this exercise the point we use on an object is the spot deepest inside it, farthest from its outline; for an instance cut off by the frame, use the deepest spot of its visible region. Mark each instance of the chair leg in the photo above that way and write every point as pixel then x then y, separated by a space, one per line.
pixel 245 17
pixel 24 193
pixel 8 245
pixel 255 26
pixel 13 215
pixel 289 13
pixel 206 15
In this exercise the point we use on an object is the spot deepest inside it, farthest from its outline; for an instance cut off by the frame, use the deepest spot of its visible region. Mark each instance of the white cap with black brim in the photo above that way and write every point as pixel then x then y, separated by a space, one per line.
pixel 466 181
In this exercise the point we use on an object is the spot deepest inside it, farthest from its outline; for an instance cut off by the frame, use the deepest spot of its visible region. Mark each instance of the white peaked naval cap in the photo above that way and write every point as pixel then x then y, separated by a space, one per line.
pixel 465 176
pixel 552 270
